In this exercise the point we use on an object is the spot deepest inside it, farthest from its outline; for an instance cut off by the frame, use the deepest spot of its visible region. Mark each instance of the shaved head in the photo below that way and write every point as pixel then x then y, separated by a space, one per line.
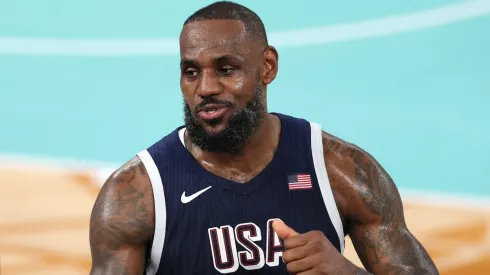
pixel 226 10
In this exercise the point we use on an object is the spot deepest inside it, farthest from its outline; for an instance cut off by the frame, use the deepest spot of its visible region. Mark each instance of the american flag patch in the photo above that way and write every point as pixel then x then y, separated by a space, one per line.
pixel 299 181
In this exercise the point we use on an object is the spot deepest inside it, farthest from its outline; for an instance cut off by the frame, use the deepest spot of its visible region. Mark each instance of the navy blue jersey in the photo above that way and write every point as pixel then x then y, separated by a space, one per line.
pixel 206 224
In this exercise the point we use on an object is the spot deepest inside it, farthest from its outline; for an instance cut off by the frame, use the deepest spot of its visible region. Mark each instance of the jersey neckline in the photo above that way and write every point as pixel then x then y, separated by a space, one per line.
pixel 257 182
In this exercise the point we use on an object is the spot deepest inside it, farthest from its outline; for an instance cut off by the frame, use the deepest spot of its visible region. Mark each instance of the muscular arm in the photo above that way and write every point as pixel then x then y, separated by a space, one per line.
pixel 372 212
pixel 122 222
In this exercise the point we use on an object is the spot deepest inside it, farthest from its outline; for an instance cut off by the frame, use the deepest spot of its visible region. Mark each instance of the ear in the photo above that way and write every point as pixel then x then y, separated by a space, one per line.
pixel 270 67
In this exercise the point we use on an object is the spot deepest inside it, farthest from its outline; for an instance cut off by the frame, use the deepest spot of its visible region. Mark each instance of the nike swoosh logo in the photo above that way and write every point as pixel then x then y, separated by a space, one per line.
pixel 185 199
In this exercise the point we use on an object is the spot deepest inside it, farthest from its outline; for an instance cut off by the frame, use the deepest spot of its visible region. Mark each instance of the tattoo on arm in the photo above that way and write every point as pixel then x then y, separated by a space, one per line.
pixel 374 216
pixel 122 222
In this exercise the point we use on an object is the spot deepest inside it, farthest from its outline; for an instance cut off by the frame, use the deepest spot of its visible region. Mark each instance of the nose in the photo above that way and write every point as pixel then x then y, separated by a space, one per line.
pixel 209 85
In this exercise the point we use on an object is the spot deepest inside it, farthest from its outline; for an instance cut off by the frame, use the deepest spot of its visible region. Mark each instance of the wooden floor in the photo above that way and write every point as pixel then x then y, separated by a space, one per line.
pixel 44 227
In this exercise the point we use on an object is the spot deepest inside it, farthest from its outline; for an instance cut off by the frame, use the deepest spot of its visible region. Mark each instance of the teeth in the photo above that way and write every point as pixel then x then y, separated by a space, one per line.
pixel 211 111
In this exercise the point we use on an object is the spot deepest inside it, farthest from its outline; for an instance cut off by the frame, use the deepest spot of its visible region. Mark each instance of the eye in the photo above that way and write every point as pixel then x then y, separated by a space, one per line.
pixel 226 70
pixel 190 72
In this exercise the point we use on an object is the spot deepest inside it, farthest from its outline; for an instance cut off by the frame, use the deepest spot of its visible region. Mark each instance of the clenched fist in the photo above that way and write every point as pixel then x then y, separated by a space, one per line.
pixel 312 253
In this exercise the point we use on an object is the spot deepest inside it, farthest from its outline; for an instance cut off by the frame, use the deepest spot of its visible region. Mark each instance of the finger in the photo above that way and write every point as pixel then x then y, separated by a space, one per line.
pixel 301 265
pixel 295 241
pixel 283 231
pixel 295 254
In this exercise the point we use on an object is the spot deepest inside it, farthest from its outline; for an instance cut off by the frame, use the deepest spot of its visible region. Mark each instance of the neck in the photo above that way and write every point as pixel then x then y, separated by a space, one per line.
pixel 261 146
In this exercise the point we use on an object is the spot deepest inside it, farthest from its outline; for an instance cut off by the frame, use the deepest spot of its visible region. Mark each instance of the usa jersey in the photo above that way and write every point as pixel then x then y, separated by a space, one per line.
pixel 206 224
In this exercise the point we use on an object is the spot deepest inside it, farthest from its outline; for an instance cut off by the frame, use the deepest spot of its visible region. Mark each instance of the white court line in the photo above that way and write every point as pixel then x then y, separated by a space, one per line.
pixel 100 171
pixel 291 38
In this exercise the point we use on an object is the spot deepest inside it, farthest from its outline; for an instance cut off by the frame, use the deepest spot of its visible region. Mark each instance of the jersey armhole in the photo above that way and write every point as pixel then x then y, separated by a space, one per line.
pixel 324 183
pixel 160 212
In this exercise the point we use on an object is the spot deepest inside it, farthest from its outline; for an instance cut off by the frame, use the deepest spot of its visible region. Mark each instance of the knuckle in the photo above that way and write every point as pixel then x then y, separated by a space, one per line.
pixel 287 256
pixel 317 240
pixel 317 234
pixel 314 235
pixel 316 246
pixel 287 244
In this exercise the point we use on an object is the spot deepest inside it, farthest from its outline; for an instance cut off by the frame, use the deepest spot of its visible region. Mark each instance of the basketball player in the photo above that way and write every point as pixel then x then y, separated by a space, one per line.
pixel 240 190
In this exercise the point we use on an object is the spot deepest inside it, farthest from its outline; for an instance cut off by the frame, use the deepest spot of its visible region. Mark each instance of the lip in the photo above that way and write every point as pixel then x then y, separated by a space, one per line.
pixel 219 110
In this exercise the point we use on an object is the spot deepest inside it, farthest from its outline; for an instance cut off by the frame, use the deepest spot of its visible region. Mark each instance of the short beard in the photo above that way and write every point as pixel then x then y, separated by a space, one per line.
pixel 241 125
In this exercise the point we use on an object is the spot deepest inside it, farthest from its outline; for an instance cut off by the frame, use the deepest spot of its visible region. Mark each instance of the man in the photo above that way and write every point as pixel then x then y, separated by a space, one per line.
pixel 240 190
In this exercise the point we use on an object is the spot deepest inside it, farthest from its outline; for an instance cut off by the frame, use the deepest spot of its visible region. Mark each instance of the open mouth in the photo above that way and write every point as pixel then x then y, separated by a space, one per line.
pixel 212 111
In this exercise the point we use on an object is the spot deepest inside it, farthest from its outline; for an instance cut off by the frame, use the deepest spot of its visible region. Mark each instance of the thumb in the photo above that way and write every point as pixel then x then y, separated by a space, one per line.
pixel 283 231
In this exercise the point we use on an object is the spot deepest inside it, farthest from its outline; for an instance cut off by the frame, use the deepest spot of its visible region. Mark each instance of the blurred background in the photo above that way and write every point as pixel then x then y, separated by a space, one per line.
pixel 85 85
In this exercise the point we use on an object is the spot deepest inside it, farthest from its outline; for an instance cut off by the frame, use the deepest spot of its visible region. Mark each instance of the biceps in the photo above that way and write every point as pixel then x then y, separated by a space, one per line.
pixel 115 247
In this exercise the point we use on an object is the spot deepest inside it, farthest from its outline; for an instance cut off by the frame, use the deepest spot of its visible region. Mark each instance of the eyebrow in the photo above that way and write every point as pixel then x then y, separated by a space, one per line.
pixel 191 62
pixel 187 62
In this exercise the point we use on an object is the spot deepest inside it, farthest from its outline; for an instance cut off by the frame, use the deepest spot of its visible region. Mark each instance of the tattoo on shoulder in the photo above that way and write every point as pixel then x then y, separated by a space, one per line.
pixel 125 201
pixel 123 214
pixel 367 177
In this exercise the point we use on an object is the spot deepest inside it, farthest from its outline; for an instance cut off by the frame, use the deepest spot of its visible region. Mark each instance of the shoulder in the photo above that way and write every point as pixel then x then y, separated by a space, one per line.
pixel 349 158
pixel 362 188
pixel 132 174
pixel 124 206
pixel 122 222
pixel 346 155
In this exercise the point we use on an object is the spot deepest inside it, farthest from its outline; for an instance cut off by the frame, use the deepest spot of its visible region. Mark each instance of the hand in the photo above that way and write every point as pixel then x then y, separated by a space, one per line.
pixel 311 253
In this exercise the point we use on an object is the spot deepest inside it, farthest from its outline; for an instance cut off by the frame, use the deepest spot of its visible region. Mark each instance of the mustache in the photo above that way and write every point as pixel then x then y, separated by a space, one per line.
pixel 207 101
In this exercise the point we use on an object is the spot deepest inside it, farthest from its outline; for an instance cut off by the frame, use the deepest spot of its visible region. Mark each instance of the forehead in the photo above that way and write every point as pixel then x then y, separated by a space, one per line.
pixel 214 37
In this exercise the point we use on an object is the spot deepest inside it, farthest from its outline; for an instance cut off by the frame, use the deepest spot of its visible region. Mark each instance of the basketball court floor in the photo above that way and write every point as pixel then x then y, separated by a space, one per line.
pixel 45 216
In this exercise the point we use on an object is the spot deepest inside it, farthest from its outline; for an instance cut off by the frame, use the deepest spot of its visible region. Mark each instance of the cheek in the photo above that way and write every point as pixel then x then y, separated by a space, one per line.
pixel 187 88
pixel 241 86
pixel 236 85
pixel 241 91
pixel 244 80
